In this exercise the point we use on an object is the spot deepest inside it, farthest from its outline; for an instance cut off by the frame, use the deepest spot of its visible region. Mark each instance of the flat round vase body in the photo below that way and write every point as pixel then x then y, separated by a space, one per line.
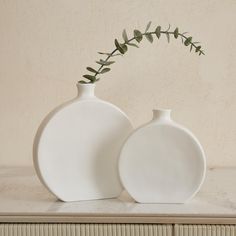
pixel 162 162
pixel 77 146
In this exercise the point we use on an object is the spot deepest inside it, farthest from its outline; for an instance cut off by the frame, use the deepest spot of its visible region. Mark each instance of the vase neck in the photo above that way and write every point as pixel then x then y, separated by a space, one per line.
pixel 86 90
pixel 161 115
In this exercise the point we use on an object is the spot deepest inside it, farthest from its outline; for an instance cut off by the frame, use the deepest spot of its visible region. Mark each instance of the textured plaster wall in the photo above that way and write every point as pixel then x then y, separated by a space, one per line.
pixel 45 46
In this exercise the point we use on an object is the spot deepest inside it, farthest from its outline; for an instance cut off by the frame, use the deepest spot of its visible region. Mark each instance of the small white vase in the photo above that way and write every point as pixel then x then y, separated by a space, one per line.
pixel 162 162
pixel 77 146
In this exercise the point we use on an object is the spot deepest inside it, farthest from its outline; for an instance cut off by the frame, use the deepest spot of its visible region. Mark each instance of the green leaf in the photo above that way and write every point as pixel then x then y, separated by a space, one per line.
pixel 124 35
pixel 191 47
pixel 176 33
pixel 91 69
pixel 149 37
pixel 148 26
pixel 117 54
pixel 104 63
pixel 104 70
pixel 133 45
pixel 107 63
pixel 188 41
pixel 104 53
pixel 100 63
pixel 124 47
pixel 201 53
pixel 118 47
pixel 168 37
pixel 92 78
pixel 158 31
pixel 198 48
pixel 138 36
pixel 109 54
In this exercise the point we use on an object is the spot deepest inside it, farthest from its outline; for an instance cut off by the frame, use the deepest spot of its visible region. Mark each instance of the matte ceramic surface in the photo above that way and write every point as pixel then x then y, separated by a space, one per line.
pixel 162 162
pixel 77 146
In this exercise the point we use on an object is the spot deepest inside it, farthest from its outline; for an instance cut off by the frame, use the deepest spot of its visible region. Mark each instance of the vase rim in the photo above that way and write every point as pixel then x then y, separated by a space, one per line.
pixel 78 84
pixel 162 110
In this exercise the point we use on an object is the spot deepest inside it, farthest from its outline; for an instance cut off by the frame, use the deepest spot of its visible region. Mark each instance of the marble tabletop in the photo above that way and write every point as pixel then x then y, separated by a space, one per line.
pixel 24 199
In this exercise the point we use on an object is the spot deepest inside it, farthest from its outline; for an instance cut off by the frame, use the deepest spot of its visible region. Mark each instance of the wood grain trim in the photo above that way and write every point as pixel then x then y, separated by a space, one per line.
pixel 204 230
pixel 85 230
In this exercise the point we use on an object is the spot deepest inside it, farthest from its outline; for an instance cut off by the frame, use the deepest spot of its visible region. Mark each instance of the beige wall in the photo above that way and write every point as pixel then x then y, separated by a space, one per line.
pixel 45 46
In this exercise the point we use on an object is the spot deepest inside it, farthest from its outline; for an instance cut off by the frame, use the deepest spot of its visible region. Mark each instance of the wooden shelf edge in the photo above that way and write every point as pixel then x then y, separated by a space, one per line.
pixel 115 219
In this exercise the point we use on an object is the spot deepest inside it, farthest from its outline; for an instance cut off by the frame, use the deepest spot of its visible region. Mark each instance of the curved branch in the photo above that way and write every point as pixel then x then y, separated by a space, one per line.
pixel 187 42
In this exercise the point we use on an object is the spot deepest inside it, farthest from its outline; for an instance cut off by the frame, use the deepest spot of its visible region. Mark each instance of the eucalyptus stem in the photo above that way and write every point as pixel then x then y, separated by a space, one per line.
pixel 108 57
pixel 122 48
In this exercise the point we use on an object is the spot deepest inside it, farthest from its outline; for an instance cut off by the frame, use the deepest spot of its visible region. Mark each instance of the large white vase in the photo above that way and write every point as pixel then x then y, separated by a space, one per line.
pixel 162 162
pixel 77 146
